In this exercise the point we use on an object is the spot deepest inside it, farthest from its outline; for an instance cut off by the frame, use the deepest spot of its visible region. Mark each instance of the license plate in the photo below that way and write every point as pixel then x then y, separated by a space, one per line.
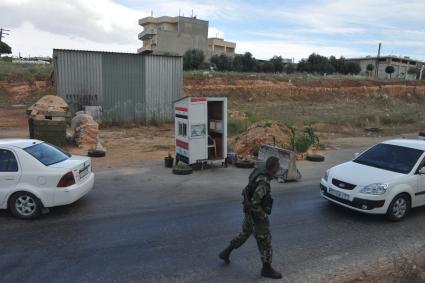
pixel 84 172
pixel 339 194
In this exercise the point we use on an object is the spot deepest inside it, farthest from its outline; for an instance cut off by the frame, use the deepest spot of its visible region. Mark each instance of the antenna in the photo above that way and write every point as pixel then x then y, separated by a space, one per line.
pixel 179 12
pixel 192 13
pixel 3 33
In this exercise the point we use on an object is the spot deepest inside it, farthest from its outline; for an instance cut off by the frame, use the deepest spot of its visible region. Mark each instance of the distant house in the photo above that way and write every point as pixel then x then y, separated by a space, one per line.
pixel 401 66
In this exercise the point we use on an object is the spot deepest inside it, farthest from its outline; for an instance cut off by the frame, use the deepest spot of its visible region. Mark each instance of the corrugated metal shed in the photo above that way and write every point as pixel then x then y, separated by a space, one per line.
pixel 129 87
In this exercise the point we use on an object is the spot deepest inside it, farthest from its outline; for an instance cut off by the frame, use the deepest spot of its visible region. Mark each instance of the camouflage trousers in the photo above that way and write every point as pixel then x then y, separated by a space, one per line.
pixel 261 230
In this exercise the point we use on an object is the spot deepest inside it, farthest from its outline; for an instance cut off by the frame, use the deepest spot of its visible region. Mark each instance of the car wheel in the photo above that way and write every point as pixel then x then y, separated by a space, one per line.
pixel 245 164
pixel 399 207
pixel 182 170
pixel 25 205
pixel 96 153
pixel 315 157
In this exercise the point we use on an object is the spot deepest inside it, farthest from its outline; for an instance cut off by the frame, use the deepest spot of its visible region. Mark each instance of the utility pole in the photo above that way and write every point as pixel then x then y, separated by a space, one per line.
pixel 377 61
pixel 3 33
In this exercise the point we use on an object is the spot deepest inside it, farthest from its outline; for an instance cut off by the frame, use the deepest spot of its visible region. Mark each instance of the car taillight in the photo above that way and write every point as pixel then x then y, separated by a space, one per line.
pixel 66 180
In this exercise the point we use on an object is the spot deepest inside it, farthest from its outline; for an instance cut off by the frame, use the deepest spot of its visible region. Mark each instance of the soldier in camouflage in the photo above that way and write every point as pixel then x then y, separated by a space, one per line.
pixel 257 206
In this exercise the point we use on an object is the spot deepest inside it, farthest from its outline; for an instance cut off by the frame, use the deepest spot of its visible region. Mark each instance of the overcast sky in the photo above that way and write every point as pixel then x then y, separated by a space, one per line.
pixel 288 28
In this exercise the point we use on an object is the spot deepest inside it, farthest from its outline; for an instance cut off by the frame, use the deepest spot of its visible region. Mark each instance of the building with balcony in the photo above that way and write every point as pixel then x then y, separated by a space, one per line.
pixel 219 45
pixel 173 35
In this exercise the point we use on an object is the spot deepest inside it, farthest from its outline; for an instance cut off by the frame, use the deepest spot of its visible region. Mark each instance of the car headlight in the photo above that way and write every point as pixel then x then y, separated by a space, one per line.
pixel 375 189
pixel 326 177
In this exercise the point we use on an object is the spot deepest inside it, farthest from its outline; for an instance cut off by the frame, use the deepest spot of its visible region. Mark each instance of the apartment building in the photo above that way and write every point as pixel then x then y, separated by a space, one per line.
pixel 175 35
pixel 219 45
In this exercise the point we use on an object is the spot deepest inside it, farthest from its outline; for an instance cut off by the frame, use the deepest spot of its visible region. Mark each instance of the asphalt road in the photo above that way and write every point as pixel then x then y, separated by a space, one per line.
pixel 143 224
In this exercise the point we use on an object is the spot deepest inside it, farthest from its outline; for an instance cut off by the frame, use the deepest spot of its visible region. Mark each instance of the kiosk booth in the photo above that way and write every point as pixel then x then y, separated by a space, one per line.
pixel 201 130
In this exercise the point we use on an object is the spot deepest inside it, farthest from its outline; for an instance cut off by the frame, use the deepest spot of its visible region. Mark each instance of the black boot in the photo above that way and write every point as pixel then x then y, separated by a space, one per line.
pixel 225 254
pixel 268 271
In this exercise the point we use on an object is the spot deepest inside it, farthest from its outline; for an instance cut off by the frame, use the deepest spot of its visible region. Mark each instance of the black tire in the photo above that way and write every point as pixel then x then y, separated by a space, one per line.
pixel 395 210
pixel 182 171
pixel 315 157
pixel 96 153
pixel 245 164
pixel 33 205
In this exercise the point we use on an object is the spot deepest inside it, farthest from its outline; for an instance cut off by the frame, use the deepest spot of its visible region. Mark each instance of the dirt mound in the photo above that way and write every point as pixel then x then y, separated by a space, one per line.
pixel 273 133
pixel 86 131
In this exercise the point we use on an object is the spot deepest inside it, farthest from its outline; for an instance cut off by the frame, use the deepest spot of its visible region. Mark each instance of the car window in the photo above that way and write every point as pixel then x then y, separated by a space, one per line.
pixel 390 157
pixel 8 161
pixel 47 153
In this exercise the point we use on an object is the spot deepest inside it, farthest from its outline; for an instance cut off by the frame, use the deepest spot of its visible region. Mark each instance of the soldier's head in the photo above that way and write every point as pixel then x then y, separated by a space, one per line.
pixel 272 166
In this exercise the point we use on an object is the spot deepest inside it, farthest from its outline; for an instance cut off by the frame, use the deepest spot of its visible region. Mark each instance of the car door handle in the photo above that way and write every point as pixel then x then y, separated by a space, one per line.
pixel 9 178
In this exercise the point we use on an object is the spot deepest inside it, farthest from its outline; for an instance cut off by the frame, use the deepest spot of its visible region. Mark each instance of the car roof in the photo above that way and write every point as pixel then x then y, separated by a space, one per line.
pixel 412 143
pixel 20 143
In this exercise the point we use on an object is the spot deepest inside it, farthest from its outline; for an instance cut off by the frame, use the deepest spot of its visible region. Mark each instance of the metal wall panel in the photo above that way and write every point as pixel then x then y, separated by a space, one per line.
pixel 124 95
pixel 129 87
pixel 163 84
pixel 78 77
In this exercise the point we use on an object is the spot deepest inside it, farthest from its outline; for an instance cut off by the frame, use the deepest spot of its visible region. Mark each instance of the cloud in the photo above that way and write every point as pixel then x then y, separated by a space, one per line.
pixel 265 28
pixel 95 20
pixel 215 32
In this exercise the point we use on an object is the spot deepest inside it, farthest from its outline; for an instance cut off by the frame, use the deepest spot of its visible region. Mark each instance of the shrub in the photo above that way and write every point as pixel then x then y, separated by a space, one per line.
pixel 192 59
pixel 389 70
pixel 222 62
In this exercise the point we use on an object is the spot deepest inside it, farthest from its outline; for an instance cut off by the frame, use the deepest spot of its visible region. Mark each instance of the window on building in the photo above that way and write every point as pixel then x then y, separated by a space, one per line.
pixel 182 129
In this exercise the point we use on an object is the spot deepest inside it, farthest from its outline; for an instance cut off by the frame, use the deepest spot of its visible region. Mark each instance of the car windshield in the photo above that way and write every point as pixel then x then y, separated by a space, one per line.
pixel 47 153
pixel 390 157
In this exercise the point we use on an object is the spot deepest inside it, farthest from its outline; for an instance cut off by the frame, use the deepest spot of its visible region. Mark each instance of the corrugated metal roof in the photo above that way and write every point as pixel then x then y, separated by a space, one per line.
pixel 112 52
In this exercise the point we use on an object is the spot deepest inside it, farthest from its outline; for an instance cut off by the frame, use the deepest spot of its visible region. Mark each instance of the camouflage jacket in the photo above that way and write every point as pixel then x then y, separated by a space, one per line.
pixel 262 191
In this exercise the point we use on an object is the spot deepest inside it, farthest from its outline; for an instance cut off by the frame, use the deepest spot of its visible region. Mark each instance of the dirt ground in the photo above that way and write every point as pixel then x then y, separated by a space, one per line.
pixel 123 145
pixel 337 109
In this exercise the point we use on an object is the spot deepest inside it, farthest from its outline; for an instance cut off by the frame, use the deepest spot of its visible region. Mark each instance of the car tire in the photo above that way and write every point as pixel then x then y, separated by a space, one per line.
pixel 182 170
pixel 245 164
pixel 25 205
pixel 399 207
pixel 96 153
pixel 315 157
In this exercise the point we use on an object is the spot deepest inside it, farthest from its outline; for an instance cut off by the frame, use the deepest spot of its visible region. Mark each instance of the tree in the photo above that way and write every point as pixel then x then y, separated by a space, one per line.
pixel 248 62
pixel 290 68
pixel 222 62
pixel 353 68
pixel 389 70
pixel 370 67
pixel 192 59
pixel 268 67
pixel 238 62
pixel 316 64
pixel 5 48
pixel 278 64
pixel 413 71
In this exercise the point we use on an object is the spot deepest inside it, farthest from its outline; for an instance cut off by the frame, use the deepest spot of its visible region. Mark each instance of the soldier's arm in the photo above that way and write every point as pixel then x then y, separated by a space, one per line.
pixel 257 198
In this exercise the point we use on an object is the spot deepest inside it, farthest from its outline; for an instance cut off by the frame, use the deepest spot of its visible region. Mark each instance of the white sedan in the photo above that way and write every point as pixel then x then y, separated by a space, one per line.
pixel 35 175
pixel 388 178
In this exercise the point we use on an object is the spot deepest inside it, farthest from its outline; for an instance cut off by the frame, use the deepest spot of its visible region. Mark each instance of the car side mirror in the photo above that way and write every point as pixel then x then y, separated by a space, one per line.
pixel 422 171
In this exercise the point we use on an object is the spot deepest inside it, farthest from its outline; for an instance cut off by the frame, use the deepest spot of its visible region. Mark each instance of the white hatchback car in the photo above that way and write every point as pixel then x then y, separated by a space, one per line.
pixel 388 178
pixel 36 175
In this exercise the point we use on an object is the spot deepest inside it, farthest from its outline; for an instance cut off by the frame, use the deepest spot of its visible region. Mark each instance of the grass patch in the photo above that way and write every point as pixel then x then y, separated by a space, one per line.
pixel 24 72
